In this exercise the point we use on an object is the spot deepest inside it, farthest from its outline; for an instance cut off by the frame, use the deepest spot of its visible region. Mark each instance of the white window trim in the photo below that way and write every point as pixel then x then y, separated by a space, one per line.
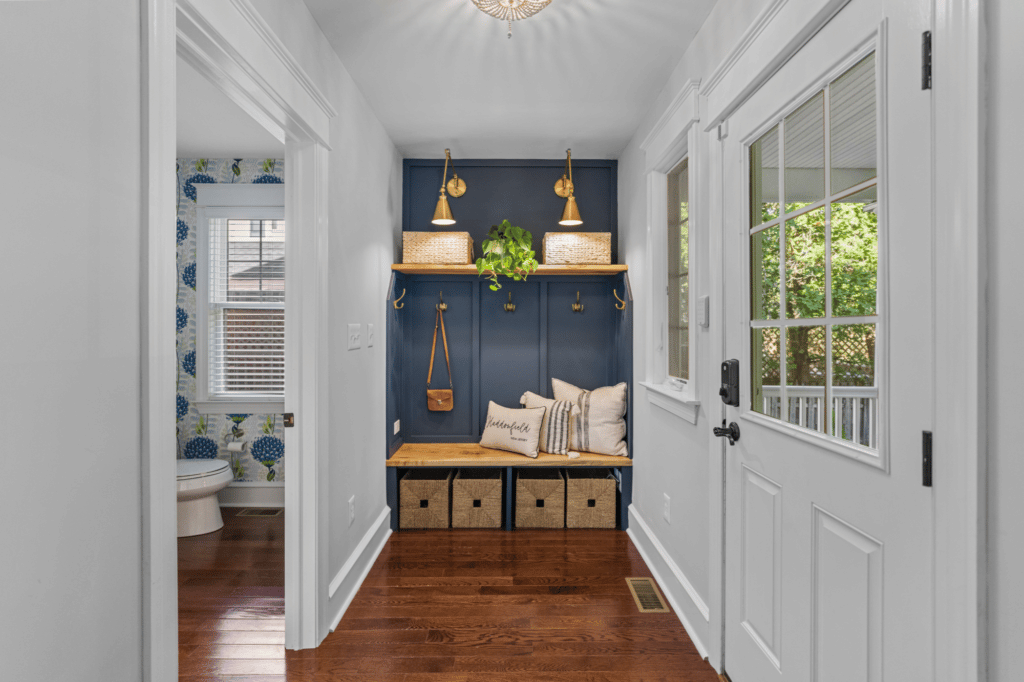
pixel 674 137
pixel 246 202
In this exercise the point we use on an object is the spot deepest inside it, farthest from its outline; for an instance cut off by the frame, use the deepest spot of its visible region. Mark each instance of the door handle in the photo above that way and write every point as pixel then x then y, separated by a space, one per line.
pixel 732 432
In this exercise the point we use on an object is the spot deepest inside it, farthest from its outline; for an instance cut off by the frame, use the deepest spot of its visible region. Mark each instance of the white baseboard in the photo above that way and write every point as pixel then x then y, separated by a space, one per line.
pixel 252 496
pixel 677 589
pixel 352 574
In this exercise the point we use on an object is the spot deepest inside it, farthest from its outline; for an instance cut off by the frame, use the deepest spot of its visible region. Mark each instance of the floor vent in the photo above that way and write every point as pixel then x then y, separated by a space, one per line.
pixel 646 595
pixel 260 512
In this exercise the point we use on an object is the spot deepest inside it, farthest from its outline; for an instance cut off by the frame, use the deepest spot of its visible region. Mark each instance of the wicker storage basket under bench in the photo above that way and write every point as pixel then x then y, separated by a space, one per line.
pixel 424 498
pixel 540 498
pixel 590 499
pixel 477 498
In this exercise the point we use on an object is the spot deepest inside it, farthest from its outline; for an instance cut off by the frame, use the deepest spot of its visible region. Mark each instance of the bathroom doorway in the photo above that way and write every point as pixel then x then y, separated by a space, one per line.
pixel 240 57
pixel 230 375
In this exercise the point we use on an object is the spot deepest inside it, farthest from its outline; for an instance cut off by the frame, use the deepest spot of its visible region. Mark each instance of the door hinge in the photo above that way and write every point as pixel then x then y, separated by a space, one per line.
pixel 926 459
pixel 926 61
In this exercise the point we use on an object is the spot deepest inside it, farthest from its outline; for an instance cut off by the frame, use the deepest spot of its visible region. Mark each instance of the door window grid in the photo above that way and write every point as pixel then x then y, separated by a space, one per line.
pixel 842 385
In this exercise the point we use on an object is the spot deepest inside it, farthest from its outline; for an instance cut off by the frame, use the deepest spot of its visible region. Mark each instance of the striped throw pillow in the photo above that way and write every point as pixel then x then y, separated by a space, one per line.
pixel 557 427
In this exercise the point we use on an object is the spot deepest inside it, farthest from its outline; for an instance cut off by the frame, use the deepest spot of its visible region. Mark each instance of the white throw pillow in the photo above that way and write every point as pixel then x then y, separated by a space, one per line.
pixel 558 425
pixel 601 426
pixel 513 430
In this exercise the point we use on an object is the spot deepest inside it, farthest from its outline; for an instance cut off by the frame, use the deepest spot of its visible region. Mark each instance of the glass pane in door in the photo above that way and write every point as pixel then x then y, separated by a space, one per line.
pixel 853 135
pixel 764 178
pixel 805 154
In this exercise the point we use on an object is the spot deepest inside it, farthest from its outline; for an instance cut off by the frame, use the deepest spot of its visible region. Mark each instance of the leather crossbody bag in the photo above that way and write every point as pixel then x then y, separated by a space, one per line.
pixel 440 399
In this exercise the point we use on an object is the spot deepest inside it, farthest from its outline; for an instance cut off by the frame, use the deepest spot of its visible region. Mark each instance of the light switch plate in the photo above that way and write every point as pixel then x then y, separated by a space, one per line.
pixel 704 312
pixel 354 336
pixel 398 426
pixel 369 335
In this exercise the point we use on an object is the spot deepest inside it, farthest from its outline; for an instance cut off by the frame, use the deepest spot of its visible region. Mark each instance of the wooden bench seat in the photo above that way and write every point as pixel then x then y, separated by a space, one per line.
pixel 474 455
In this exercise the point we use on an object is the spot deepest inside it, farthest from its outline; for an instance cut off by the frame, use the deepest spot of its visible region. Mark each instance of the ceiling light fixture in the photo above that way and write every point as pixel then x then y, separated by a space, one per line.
pixel 564 188
pixel 456 187
pixel 511 10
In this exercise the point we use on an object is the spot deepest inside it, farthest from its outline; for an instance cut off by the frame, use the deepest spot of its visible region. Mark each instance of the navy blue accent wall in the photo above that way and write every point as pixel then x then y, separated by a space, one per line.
pixel 521 191
pixel 498 355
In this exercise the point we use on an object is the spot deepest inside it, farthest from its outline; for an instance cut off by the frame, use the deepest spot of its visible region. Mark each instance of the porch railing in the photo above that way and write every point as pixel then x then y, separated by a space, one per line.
pixel 853 417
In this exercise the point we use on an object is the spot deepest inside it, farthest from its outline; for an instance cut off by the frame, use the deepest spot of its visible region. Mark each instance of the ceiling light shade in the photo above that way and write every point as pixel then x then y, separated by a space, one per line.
pixel 443 212
pixel 571 212
pixel 511 10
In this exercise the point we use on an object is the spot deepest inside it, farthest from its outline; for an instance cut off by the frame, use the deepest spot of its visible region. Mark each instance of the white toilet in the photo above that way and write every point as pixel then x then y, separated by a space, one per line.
pixel 199 481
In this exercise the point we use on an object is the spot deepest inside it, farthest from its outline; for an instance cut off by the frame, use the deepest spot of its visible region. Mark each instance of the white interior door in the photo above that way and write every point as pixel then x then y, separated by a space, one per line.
pixel 829 530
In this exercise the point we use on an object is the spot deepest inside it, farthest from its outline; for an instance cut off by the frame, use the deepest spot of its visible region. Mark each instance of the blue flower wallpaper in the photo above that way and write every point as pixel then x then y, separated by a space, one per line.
pixel 207 436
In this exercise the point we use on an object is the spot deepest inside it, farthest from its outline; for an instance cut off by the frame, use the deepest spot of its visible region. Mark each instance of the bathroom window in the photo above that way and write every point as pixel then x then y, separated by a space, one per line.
pixel 241 299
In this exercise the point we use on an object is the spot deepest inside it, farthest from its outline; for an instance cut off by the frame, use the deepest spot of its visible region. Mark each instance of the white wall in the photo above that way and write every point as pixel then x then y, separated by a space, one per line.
pixel 1005 141
pixel 365 229
pixel 71 563
pixel 671 456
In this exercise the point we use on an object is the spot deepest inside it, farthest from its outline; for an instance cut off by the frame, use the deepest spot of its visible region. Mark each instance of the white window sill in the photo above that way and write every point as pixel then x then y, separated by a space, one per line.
pixel 679 403
pixel 240 406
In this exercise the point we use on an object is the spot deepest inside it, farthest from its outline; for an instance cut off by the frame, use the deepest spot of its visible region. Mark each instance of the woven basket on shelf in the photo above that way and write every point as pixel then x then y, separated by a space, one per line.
pixel 439 248
pixel 476 498
pixel 577 248
pixel 423 498
pixel 540 498
pixel 589 498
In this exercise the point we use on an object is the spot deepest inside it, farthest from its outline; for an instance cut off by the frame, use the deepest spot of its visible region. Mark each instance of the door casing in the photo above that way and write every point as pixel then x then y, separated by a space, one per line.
pixel 231 45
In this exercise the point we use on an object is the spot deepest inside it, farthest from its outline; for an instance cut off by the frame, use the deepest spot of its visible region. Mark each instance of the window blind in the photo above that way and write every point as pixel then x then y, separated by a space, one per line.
pixel 246 308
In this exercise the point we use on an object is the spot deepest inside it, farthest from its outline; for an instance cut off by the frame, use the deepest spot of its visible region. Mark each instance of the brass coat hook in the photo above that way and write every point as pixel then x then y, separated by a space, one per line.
pixel 510 307
pixel 617 306
pixel 442 306
pixel 399 307
pixel 577 307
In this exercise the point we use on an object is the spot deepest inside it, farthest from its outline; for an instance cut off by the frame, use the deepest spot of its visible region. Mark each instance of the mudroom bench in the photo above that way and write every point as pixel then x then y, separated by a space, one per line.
pixel 474 456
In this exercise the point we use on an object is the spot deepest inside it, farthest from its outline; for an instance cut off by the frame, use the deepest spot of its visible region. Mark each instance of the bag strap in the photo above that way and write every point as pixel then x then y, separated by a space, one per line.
pixel 433 348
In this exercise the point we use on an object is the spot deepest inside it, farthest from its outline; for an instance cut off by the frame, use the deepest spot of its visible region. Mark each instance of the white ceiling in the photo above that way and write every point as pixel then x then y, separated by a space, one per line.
pixel 441 73
pixel 212 126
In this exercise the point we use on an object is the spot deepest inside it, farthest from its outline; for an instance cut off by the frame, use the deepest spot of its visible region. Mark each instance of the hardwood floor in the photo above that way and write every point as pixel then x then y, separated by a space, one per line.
pixel 437 606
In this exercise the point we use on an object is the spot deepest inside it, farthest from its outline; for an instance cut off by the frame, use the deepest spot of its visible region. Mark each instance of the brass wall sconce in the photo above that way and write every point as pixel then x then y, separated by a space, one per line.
pixel 510 307
pixel 564 188
pixel 456 187
pixel 621 305
pixel 577 307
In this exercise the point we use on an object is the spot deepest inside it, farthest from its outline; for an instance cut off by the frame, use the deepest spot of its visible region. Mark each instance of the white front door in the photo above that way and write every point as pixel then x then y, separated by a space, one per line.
pixel 828 308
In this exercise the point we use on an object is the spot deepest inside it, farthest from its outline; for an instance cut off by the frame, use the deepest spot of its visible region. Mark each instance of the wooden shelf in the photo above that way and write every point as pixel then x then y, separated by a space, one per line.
pixel 474 455
pixel 429 269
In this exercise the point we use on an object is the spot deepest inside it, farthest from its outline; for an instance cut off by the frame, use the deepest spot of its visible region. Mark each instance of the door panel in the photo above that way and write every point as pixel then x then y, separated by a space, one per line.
pixel 762 552
pixel 828 305
pixel 847 623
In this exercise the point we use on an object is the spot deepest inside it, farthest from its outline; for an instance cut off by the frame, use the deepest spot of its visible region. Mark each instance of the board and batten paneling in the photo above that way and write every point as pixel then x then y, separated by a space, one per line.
pixel 521 191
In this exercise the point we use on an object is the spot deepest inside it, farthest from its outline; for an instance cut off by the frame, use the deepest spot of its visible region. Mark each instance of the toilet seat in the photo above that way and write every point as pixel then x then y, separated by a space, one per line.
pixel 189 469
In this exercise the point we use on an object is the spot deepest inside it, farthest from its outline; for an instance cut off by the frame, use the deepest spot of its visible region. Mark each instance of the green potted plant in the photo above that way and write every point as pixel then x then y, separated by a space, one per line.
pixel 507 251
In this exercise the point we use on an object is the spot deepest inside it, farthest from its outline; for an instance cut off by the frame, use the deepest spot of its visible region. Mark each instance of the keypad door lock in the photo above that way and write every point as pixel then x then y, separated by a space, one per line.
pixel 730 390
pixel 732 432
